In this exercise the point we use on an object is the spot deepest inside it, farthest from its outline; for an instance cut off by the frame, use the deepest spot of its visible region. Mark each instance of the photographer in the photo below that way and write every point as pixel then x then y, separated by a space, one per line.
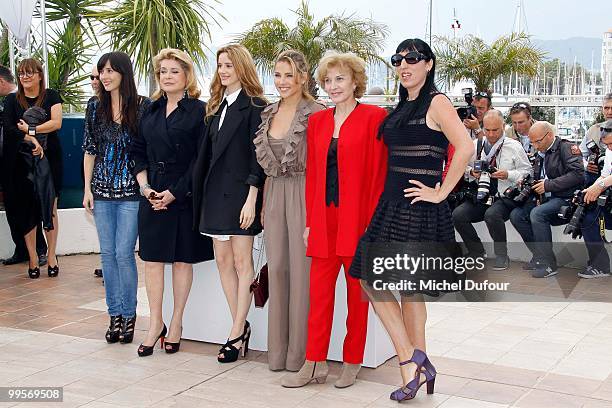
pixel 508 159
pixel 599 260
pixel 558 171
pixel 520 114
pixel 482 102
pixel 592 147
pixel 472 116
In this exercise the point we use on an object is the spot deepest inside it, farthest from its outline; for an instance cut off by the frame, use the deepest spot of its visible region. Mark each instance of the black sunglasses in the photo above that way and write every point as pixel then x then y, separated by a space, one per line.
pixel 93 77
pixel 604 130
pixel 517 107
pixel 482 94
pixel 411 58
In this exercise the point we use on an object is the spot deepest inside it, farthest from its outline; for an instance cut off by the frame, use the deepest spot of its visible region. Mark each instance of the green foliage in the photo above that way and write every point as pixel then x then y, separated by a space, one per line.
pixel 67 56
pixel 4 46
pixel 68 46
pixel 141 28
pixel 269 37
pixel 470 58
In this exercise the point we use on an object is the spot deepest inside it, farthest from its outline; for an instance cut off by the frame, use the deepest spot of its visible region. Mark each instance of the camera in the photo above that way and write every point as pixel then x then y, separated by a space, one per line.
pixel 604 201
pixel 466 112
pixel 595 157
pixel 483 193
pixel 466 191
pixel 574 212
pixel 521 193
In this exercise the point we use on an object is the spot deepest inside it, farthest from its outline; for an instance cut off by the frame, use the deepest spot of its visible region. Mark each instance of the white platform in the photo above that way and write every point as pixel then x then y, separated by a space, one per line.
pixel 207 317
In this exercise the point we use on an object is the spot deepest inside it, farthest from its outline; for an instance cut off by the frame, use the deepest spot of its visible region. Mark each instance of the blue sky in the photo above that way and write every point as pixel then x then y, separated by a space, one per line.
pixel 546 19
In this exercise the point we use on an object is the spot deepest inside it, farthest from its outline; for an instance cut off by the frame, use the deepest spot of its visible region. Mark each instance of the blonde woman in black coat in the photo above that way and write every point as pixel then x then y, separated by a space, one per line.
pixel 227 184
pixel 163 155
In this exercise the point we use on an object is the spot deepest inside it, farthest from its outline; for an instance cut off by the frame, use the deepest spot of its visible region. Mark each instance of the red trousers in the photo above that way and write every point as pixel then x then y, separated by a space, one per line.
pixel 323 276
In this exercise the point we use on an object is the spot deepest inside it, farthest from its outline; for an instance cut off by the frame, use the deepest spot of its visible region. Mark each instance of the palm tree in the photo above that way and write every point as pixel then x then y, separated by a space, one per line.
pixel 471 58
pixel 142 28
pixel 269 37
pixel 69 45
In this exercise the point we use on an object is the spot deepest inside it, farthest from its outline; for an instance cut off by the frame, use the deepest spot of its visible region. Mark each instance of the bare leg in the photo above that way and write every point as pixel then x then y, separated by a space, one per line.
pixel 154 281
pixel 390 314
pixel 30 241
pixel 52 238
pixel 229 281
pixel 182 277
pixel 414 313
pixel 242 249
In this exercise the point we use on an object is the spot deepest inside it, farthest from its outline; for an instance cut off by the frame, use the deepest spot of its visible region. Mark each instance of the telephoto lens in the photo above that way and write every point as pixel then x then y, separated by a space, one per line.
pixel 484 187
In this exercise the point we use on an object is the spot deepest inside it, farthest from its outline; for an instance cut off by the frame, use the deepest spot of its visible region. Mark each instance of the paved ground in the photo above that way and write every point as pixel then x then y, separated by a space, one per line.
pixel 528 354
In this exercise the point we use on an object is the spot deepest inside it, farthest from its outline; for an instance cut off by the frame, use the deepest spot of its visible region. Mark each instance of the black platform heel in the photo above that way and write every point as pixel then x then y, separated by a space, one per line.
pixel 231 352
pixel 246 336
pixel 34 273
pixel 127 330
pixel 144 351
pixel 172 348
pixel 114 329
pixel 53 271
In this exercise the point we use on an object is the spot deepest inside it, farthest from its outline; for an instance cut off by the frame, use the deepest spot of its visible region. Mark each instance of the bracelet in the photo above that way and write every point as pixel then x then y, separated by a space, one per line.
pixel 32 130
pixel 143 188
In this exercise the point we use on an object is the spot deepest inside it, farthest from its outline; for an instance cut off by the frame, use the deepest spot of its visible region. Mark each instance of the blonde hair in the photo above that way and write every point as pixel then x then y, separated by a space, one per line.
pixel 349 61
pixel 185 62
pixel 245 70
pixel 299 66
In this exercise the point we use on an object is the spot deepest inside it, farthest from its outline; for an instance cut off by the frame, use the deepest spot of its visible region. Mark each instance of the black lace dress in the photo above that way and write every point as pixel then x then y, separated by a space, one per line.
pixel 416 152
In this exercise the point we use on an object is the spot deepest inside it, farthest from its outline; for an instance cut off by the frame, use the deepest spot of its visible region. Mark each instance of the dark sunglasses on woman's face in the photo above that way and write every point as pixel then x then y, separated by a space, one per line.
pixel 94 77
pixel 411 58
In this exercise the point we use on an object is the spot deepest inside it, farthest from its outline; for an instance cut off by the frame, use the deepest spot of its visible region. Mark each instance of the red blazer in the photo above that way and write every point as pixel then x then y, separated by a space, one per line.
pixel 362 168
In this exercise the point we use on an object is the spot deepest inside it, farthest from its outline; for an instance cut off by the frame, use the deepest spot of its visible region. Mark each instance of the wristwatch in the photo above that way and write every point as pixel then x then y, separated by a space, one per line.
pixel 143 188
pixel 601 183
pixel 478 131
pixel 32 130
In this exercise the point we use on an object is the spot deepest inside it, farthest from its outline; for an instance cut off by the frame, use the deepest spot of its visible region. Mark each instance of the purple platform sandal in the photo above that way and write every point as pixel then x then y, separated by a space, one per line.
pixel 424 366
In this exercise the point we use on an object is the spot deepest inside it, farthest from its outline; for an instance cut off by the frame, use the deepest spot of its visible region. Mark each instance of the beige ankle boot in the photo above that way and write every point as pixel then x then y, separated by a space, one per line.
pixel 348 375
pixel 310 371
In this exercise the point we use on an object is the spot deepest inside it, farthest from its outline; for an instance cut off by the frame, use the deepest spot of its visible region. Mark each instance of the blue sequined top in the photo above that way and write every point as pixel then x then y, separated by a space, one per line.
pixel 110 142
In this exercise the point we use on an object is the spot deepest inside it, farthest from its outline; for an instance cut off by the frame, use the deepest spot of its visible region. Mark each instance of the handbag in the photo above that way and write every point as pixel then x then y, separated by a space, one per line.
pixel 259 287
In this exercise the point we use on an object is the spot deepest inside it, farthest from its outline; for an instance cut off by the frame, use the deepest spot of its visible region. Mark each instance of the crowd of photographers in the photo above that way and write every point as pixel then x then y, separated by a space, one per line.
pixel 526 174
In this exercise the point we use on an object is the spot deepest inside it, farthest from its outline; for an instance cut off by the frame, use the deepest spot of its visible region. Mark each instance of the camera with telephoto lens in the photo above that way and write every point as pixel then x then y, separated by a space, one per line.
pixel 483 194
pixel 595 157
pixel 466 112
pixel 574 212
pixel 521 193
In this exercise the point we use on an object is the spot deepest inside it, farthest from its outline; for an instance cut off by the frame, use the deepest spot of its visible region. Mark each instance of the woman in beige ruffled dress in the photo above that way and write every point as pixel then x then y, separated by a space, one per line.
pixel 280 146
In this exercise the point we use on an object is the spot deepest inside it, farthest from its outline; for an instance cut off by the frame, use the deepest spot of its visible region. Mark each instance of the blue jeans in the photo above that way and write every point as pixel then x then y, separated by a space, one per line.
pixel 534 222
pixel 598 254
pixel 117 225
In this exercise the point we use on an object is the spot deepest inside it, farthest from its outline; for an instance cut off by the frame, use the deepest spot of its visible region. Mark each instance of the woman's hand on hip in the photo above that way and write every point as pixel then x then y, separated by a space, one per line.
pixel 423 193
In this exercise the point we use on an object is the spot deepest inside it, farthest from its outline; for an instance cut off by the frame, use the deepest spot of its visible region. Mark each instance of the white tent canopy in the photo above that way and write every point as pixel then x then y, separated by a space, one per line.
pixel 17 15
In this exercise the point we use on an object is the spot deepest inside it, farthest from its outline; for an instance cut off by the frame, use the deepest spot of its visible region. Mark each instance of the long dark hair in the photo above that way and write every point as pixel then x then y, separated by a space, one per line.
pixel 31 65
pixel 121 63
pixel 429 87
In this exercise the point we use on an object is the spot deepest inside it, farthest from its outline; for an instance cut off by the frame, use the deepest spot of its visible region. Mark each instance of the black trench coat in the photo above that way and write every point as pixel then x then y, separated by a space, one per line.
pixel 166 148
pixel 226 168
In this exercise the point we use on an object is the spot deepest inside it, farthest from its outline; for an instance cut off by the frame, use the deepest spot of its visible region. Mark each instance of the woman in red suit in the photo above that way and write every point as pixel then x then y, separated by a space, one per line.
pixel 345 173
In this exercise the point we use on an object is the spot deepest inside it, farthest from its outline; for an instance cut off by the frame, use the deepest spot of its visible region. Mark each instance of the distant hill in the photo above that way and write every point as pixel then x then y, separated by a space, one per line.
pixel 566 49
